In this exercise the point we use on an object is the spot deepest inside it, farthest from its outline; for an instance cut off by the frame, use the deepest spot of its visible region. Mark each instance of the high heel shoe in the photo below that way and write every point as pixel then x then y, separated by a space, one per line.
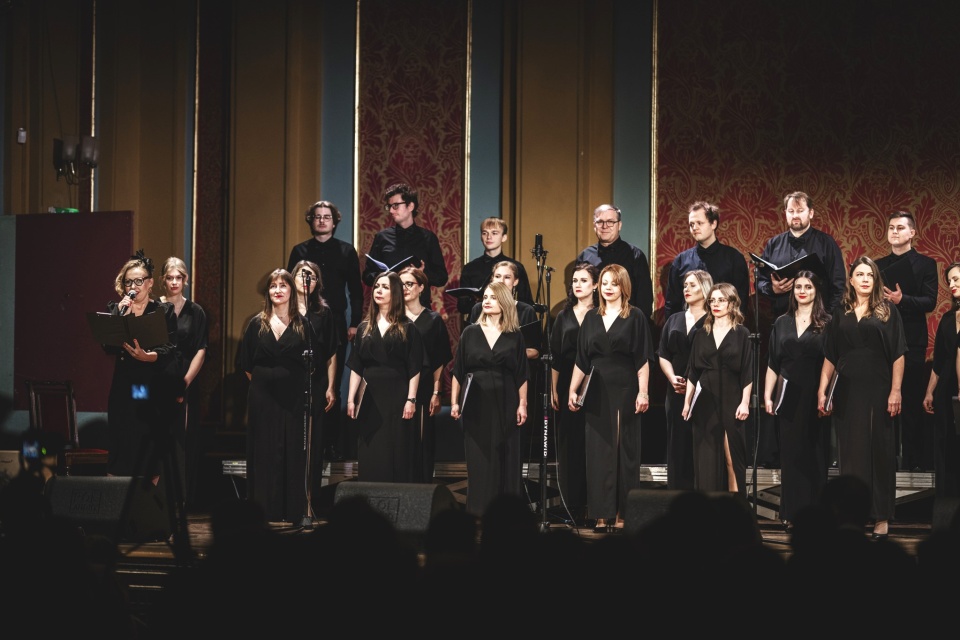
pixel 881 535
pixel 600 526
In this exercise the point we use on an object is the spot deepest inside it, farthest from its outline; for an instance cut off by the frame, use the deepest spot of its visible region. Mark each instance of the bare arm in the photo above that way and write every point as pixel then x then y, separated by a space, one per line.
pixel 643 397
pixel 770 381
pixel 575 379
pixel 826 372
pixel 895 399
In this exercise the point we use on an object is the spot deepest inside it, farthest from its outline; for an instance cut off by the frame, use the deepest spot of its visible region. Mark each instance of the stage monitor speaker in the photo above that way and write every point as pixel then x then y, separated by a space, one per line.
pixel 944 511
pixel 409 506
pixel 95 504
pixel 646 505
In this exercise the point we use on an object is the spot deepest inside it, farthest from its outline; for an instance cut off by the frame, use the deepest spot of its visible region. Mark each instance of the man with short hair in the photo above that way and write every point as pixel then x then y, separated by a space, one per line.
pixel 340 275
pixel 721 261
pixel 612 249
pixel 406 243
pixel 478 272
pixel 913 303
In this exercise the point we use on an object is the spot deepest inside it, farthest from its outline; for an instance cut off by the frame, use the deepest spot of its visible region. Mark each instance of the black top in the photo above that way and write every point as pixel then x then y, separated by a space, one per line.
pixel 340 270
pixel 630 258
pixel 477 273
pixel 915 306
pixel 784 248
pixel 721 261
pixel 393 244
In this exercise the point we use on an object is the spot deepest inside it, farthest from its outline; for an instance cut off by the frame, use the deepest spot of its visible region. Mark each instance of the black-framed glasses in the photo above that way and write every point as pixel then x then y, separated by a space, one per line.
pixel 605 224
pixel 136 282
pixel 393 206
pixel 409 285
pixel 325 216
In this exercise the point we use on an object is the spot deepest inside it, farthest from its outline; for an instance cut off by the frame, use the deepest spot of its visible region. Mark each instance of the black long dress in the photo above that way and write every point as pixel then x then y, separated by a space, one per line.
pixel 276 442
pixel 675 344
pixel 489 413
pixel 863 353
pixel 436 354
pixel 571 425
pixel 612 424
pixel 192 336
pixel 946 442
pixel 134 425
pixel 723 374
pixel 387 442
pixel 804 436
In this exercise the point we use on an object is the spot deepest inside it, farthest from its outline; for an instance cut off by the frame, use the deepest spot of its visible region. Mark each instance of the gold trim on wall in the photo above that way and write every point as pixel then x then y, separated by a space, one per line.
pixel 356 130
pixel 653 154
pixel 466 137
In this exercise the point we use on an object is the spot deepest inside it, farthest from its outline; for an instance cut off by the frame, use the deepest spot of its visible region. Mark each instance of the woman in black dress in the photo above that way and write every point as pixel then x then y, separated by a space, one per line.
pixel 321 340
pixel 614 343
pixel 795 358
pixel 272 357
pixel 719 367
pixel 508 273
pixel 943 384
pixel 676 338
pixel 137 426
pixel 491 367
pixel 192 334
pixel 387 355
pixel 571 436
pixel 436 355
pixel 865 344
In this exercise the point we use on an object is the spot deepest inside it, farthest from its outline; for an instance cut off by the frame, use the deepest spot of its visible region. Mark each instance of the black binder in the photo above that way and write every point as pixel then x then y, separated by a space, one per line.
pixel 358 397
pixel 809 262
pixel 584 387
pixel 466 392
pixel 831 388
pixel 900 272
pixel 779 390
pixel 383 265
pixel 459 292
pixel 149 329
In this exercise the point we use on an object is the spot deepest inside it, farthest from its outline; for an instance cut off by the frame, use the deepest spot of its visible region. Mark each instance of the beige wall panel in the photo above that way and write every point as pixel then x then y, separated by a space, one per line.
pixel 257 242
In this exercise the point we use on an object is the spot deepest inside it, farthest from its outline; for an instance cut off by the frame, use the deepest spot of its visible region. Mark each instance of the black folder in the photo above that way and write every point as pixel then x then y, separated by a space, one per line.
pixel 466 391
pixel 358 397
pixel 779 390
pixel 956 413
pixel 532 334
pixel 459 292
pixel 809 262
pixel 149 329
pixel 831 388
pixel 383 265
pixel 584 387
pixel 900 272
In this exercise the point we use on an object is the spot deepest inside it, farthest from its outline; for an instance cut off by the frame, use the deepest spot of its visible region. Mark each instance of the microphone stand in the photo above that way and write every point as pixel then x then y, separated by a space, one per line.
pixel 546 357
pixel 754 396
pixel 308 520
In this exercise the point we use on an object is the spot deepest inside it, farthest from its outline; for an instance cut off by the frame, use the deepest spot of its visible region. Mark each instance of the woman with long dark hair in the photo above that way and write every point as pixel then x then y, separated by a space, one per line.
pixel 865 344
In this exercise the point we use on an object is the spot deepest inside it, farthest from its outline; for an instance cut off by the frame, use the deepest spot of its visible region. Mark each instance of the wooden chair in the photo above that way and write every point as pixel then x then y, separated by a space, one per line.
pixel 53 412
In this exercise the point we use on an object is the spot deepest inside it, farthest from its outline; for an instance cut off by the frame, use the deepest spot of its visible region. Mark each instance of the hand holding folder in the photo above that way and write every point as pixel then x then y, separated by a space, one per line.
pixel 809 262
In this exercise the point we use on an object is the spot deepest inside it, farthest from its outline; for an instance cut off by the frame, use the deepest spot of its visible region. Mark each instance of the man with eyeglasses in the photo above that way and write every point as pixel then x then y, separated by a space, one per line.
pixel 612 249
pixel 721 261
pixel 406 243
pixel 914 291
pixel 340 274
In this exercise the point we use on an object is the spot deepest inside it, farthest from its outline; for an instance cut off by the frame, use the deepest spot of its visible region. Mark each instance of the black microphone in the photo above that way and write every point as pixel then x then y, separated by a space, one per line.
pixel 131 295
pixel 538 245
pixel 306 279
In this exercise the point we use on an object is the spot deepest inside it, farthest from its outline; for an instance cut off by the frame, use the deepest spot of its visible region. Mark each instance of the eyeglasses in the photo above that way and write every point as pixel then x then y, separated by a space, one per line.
pixel 135 282
pixel 393 206
pixel 409 285
pixel 325 216
pixel 718 301
pixel 605 224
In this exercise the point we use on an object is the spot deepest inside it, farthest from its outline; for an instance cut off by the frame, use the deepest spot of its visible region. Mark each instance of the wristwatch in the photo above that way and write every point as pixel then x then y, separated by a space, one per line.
pixel 413 400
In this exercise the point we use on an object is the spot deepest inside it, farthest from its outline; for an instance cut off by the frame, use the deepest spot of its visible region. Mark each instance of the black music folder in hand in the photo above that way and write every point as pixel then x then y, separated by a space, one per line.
pixel 831 389
pixel 150 329
pixel 358 397
pixel 809 262
pixel 532 333
pixel 956 413
pixel 584 387
pixel 466 392
pixel 459 292
pixel 900 272
pixel 383 265
pixel 779 390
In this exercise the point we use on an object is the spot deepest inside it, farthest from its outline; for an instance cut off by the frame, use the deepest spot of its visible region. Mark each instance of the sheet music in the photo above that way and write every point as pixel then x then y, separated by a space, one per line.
pixel 383 265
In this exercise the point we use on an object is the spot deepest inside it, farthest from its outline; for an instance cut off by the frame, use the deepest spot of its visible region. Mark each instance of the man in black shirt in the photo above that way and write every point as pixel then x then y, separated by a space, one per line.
pixel 611 249
pixel 478 272
pixel 915 299
pixel 405 243
pixel 721 261
pixel 340 275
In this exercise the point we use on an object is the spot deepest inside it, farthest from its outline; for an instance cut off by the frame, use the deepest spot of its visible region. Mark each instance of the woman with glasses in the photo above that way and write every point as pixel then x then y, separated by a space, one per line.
pixel 271 354
pixel 323 342
pixel 192 335
pixel 615 344
pixel 865 344
pixel 141 407
pixel 676 340
pixel 436 355
pixel 488 391
pixel 795 358
pixel 387 357
pixel 717 400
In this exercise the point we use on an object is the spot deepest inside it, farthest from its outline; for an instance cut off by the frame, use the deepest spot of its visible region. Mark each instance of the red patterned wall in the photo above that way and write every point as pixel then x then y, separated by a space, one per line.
pixel 851 102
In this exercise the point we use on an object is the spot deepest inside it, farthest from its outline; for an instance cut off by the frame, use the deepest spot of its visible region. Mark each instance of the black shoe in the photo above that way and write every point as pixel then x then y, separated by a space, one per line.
pixel 880 536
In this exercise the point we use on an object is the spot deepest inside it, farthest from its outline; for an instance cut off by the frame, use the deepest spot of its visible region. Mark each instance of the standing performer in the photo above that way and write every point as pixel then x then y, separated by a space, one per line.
pixel 720 366
pixel 192 334
pixel 271 354
pixel 796 358
pixel 477 272
pixel 387 355
pixel 491 355
pixel 865 345
pixel 324 341
pixel 135 426
pixel 676 339
pixel 436 355
pixel 943 384
pixel 615 343
pixel 571 435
